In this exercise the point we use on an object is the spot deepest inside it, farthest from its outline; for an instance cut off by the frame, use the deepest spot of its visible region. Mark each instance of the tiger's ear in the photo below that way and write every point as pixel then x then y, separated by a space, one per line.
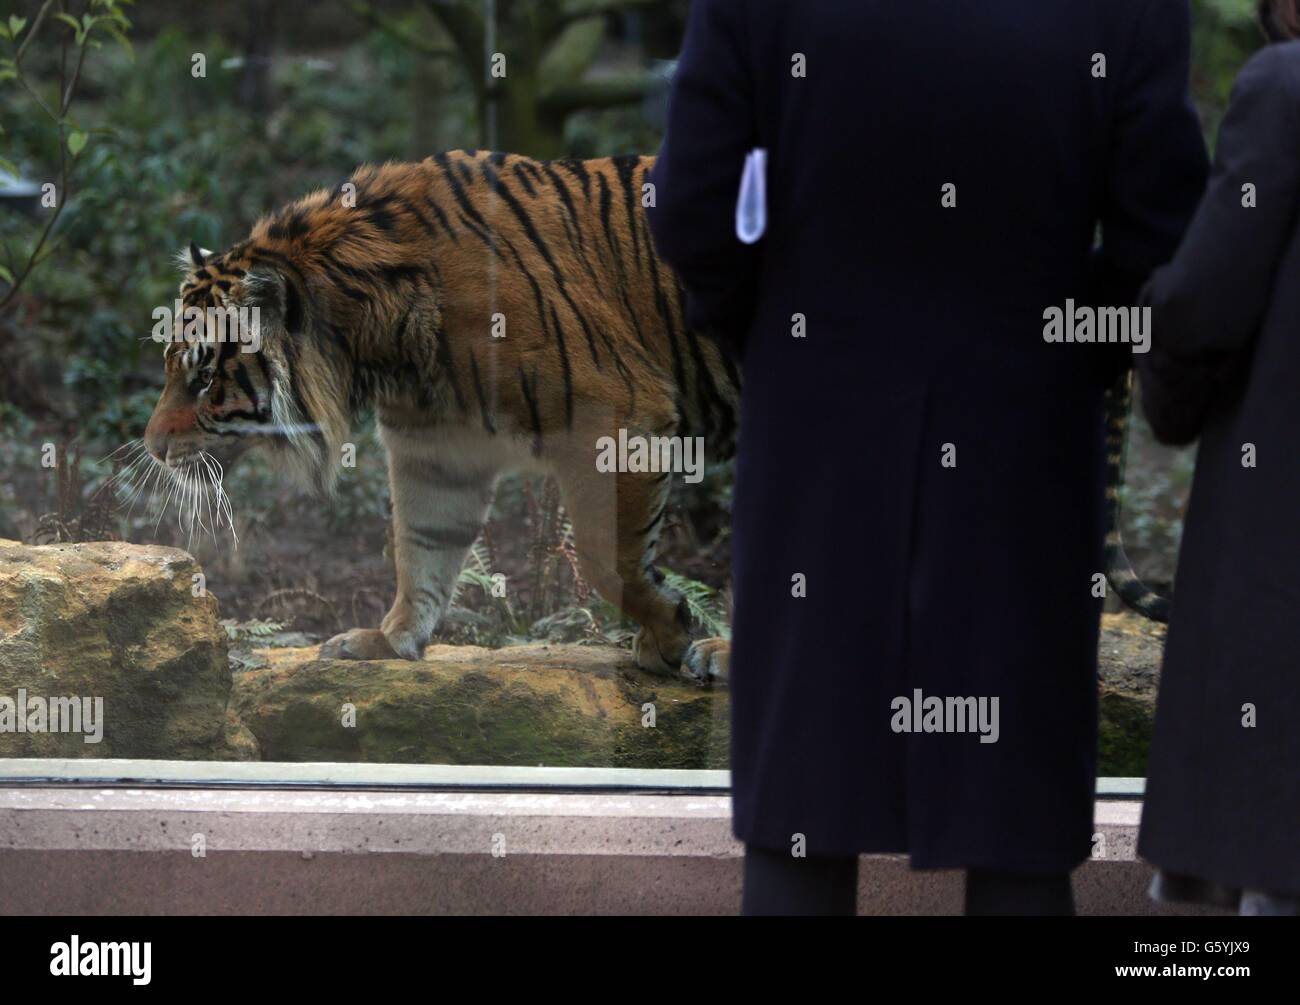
pixel 192 258
pixel 276 298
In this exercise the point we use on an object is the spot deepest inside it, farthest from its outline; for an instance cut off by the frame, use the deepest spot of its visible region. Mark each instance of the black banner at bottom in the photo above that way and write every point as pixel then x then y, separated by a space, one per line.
pixel 335 955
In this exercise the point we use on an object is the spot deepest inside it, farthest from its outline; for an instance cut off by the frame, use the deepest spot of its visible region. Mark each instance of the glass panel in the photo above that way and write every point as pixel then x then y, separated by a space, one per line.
pixel 476 427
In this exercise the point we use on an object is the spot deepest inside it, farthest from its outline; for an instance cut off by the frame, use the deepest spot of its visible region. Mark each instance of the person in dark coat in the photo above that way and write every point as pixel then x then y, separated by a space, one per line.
pixel 918 495
pixel 1222 810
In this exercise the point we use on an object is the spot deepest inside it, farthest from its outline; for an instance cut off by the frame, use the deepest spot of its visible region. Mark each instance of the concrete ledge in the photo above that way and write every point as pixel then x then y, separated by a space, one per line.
pixel 75 850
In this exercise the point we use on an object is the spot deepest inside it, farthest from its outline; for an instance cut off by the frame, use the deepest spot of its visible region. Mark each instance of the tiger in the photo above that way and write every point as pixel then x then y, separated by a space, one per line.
pixel 1128 586
pixel 496 314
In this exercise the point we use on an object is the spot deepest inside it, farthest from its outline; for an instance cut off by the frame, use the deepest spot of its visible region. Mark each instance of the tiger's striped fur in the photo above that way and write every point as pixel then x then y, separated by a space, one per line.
pixel 388 301
pixel 1119 570
pixel 393 300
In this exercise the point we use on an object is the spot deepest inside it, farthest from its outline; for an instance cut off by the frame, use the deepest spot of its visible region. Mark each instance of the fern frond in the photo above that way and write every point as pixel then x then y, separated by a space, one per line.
pixel 702 601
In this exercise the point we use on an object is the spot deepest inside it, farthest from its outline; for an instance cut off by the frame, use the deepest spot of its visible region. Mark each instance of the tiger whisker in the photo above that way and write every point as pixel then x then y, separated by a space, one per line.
pixel 200 496
pixel 214 521
pixel 186 513
pixel 125 482
pixel 182 496
pixel 151 477
pixel 132 469
pixel 130 490
pixel 129 445
pixel 219 497
pixel 125 473
pixel 223 499
pixel 157 481
pixel 173 484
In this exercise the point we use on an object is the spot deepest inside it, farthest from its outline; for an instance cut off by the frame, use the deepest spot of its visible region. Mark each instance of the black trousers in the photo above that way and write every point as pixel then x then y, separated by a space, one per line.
pixel 778 883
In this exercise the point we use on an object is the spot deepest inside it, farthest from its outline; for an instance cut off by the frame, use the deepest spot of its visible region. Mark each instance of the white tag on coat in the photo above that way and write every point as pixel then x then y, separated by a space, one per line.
pixel 751 207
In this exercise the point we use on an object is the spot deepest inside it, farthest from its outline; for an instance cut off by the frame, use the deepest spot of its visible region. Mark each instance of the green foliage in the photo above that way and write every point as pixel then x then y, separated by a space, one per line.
pixel 703 602
pixel 254 630
pixel 60 129
pixel 478 575
pixel 549 46
pixel 1224 36
pixel 1234 13
pixel 606 132
pixel 596 622
pixel 163 158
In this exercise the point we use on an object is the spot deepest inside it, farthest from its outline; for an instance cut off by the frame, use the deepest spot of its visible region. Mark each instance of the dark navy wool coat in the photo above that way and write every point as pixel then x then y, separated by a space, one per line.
pixel 1223 796
pixel 923 340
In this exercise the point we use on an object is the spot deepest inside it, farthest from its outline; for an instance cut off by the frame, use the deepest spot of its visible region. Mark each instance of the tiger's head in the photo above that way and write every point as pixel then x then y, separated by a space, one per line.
pixel 237 371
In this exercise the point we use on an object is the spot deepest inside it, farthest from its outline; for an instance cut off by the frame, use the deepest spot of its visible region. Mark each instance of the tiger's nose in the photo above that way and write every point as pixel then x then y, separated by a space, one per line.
pixel 155 442
pixel 161 426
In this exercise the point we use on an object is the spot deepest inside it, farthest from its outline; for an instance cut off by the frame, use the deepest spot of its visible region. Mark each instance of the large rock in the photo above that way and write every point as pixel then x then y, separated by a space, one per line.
pixel 570 705
pixel 1128 658
pixel 119 622
pixel 116 622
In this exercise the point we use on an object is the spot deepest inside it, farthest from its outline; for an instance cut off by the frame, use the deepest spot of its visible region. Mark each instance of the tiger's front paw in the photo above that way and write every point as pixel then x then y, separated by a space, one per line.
pixel 708 661
pixel 659 652
pixel 359 644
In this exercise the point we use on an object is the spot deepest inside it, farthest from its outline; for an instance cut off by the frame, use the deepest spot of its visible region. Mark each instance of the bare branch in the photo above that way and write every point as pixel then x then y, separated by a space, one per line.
pixel 31 32
pixel 35 258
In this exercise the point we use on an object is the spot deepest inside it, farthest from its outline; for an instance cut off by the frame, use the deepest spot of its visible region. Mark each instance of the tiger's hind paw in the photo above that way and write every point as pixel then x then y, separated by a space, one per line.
pixel 708 661
pixel 359 644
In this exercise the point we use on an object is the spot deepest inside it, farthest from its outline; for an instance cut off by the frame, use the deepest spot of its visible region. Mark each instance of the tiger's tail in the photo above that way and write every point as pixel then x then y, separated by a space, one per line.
pixel 1119 570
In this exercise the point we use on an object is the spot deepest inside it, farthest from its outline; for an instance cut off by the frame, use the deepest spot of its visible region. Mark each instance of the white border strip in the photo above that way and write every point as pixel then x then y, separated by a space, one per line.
pixel 124 771
pixel 326 774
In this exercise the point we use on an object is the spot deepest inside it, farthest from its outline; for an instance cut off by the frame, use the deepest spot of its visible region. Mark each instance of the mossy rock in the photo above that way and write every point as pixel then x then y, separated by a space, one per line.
pixel 568 705
pixel 1129 658
pixel 554 705
pixel 117 622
